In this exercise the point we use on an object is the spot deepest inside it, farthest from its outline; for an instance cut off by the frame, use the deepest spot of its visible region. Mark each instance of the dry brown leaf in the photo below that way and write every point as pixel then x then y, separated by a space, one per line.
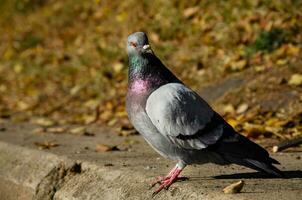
pixel 292 50
pixel 295 79
pixel 259 68
pixel 43 121
pixel 92 103
pixel 239 65
pixel 275 130
pixel 242 108
pixel 106 115
pixel 275 122
pixel 78 130
pixel 253 130
pixel 112 122
pixel 235 65
pixel 38 130
pixel 56 129
pixel 130 142
pixel 117 67
pixel 22 105
pixel 232 122
pixel 105 148
pixel 46 144
pixel 126 131
pixel 234 188
pixel 189 12
pixel 229 109
pixel 89 119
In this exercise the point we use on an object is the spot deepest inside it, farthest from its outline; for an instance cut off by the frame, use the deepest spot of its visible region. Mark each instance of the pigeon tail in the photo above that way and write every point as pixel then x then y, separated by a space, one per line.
pixel 237 149
pixel 263 167
pixel 259 166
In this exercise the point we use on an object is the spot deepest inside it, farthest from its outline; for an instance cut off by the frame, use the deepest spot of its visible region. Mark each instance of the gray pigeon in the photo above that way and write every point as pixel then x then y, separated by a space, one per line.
pixel 178 123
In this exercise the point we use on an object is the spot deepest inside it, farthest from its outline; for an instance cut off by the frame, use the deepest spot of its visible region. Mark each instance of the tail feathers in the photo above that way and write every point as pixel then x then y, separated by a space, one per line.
pixel 273 161
pixel 264 167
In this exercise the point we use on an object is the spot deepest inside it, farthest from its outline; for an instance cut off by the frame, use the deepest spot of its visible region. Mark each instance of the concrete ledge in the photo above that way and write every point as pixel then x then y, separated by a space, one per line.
pixel 74 171
pixel 30 173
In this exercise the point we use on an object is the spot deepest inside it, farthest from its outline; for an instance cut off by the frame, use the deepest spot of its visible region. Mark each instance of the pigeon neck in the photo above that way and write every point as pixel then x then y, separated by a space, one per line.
pixel 139 80
pixel 146 73
pixel 137 66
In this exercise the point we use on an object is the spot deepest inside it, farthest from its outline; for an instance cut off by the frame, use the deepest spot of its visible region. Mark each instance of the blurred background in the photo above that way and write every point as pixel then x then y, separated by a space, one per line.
pixel 64 62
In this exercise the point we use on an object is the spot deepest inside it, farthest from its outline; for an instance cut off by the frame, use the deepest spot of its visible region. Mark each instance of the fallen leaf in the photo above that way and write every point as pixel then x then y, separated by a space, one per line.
pixel 232 122
pixel 22 105
pixel 38 130
pixel 106 116
pixel 126 131
pixel 296 80
pixel 229 109
pixel 105 148
pixel 56 129
pixel 236 65
pixel 292 50
pixel 275 122
pixel 259 68
pixel 112 122
pixel 92 103
pixel 242 108
pixel 46 144
pixel 117 67
pixel 78 130
pixel 189 12
pixel 130 142
pixel 18 68
pixel 281 61
pixel 253 130
pixel 75 89
pixel 274 130
pixel 43 121
pixel 234 188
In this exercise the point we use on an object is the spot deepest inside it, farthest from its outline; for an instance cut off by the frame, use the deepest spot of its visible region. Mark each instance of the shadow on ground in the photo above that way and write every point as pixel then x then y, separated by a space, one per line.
pixel 259 175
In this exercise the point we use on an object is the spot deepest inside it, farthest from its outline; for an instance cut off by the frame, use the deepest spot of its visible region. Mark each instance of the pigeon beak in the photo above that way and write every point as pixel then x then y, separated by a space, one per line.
pixel 147 48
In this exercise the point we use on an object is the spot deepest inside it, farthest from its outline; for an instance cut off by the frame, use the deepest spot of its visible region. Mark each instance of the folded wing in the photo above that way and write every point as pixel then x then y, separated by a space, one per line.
pixel 183 117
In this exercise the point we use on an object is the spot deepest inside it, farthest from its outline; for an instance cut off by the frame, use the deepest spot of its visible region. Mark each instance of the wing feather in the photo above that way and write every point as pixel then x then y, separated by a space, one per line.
pixel 183 117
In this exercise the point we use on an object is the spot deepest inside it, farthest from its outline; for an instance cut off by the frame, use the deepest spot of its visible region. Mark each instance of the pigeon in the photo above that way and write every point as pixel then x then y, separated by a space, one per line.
pixel 178 123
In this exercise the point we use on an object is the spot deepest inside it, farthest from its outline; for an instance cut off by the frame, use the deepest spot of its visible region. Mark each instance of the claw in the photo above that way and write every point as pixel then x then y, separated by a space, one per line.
pixel 166 182
pixel 159 179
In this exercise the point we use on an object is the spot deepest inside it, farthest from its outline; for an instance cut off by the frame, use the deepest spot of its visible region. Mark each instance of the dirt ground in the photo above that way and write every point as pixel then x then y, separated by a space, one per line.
pixel 79 167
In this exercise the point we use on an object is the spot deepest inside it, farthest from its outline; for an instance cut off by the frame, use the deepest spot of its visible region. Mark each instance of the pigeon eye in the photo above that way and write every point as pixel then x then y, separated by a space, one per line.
pixel 133 44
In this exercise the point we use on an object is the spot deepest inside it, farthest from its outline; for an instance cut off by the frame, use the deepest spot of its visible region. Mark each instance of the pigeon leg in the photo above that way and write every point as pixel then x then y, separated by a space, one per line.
pixel 170 179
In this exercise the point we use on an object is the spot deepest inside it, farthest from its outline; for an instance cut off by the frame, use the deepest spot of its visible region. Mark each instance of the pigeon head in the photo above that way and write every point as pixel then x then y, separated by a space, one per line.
pixel 138 44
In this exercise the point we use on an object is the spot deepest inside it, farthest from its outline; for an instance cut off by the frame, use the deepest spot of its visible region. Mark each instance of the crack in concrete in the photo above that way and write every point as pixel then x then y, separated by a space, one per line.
pixel 55 179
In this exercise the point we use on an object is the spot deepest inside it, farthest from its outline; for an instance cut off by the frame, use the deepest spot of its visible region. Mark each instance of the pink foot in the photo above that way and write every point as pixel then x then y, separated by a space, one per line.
pixel 165 182
pixel 160 179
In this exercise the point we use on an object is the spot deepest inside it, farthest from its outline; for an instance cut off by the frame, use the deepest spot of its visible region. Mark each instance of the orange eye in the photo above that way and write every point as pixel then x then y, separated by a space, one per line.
pixel 133 44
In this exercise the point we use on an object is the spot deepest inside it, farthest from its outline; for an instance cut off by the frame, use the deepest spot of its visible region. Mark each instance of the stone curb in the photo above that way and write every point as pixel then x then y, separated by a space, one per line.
pixel 70 172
